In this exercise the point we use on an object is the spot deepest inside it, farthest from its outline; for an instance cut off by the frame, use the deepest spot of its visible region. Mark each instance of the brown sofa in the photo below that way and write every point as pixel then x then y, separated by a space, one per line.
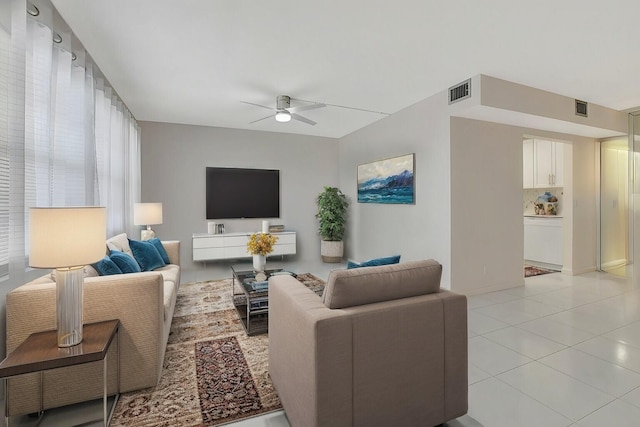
pixel 385 346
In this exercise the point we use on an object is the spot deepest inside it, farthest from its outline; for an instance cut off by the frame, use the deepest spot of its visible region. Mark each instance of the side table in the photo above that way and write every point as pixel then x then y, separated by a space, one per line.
pixel 40 352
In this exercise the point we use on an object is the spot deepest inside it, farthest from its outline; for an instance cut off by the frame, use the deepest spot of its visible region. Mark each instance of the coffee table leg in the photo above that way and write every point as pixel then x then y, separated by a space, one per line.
pixel 6 402
pixel 248 316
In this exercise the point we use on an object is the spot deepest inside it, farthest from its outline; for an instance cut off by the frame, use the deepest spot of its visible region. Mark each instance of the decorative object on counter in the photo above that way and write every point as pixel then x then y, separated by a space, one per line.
pixel 260 245
pixel 212 228
pixel 276 228
pixel 265 226
pixel 547 204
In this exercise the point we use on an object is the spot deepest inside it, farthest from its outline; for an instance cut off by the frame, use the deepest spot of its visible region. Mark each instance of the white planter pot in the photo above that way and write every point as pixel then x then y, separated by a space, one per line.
pixel 331 251
pixel 259 262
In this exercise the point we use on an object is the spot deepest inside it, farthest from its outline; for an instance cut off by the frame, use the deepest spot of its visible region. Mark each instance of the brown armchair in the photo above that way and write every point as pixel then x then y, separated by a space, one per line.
pixel 384 346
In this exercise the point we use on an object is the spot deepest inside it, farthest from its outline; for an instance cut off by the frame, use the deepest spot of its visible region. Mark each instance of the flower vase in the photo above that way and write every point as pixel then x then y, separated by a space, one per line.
pixel 259 262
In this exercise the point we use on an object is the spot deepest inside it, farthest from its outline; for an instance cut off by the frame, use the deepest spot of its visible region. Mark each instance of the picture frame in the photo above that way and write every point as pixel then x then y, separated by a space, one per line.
pixel 387 181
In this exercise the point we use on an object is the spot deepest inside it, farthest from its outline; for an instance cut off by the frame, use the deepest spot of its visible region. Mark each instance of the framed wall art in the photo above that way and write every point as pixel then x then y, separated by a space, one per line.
pixel 388 181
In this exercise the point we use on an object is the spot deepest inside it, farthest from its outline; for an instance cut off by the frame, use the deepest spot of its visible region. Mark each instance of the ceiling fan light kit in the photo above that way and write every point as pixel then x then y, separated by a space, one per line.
pixel 283 116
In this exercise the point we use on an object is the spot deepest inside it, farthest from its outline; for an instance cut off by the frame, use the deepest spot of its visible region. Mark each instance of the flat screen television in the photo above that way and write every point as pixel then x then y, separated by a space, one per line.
pixel 242 193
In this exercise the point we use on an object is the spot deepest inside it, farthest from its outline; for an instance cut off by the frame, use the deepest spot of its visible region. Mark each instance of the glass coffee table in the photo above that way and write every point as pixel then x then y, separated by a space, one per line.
pixel 251 298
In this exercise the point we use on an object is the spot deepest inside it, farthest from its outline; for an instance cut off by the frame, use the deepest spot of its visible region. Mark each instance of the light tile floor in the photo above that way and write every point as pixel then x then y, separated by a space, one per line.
pixel 559 351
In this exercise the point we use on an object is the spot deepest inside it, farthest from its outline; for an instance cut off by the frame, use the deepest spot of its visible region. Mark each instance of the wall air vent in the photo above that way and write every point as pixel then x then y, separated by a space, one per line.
pixel 581 109
pixel 460 91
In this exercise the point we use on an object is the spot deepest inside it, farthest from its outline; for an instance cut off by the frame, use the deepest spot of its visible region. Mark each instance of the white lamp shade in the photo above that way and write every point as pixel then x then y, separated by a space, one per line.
pixel 66 237
pixel 147 213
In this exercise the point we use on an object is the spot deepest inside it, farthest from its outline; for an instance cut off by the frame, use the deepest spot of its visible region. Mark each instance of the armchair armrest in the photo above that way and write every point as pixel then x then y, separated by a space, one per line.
pixel 304 333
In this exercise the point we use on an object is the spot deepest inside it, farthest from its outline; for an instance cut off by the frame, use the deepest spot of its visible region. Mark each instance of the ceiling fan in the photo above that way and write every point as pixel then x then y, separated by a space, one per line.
pixel 285 112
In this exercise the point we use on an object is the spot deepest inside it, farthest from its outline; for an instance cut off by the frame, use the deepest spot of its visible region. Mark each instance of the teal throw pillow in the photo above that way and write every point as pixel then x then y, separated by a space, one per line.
pixel 125 262
pixel 394 259
pixel 161 250
pixel 352 264
pixel 106 267
pixel 146 254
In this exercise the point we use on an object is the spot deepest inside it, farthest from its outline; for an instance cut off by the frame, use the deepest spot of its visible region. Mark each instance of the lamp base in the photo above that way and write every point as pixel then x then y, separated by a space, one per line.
pixel 69 301
pixel 147 234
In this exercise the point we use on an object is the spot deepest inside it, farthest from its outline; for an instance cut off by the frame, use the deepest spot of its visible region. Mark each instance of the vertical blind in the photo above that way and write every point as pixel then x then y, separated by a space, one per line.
pixel 66 139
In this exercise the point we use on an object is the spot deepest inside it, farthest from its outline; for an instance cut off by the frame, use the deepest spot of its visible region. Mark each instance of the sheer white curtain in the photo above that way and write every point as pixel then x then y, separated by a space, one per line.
pixel 66 139
pixel 117 146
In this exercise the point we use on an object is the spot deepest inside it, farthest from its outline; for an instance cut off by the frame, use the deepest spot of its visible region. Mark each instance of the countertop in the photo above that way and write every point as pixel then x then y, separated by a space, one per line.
pixel 542 216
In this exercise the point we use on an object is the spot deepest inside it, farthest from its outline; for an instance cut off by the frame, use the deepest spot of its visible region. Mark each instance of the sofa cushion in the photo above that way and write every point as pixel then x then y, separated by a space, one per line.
pixel 106 267
pixel 366 285
pixel 119 243
pixel 161 250
pixel 125 262
pixel 394 259
pixel 146 255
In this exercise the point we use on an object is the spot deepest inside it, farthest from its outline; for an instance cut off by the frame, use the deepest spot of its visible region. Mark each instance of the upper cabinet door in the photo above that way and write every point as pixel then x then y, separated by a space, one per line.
pixel 543 163
pixel 527 163
pixel 558 164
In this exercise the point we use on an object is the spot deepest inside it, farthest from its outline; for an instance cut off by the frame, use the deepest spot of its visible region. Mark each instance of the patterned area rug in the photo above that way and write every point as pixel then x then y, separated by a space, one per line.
pixel 530 271
pixel 213 372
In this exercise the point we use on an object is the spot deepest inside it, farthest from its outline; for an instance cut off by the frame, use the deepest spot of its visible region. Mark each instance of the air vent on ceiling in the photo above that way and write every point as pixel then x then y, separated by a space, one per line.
pixel 581 109
pixel 460 91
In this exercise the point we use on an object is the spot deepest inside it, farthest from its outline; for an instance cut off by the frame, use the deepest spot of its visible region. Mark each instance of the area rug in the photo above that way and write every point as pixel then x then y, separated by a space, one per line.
pixel 530 271
pixel 213 373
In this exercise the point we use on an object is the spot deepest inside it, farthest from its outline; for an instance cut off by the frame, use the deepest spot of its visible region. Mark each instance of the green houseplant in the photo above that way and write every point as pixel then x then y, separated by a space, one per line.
pixel 332 216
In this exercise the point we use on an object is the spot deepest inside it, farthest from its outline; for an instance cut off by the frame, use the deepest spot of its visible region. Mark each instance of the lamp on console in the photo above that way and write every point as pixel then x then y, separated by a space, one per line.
pixel 67 239
pixel 147 214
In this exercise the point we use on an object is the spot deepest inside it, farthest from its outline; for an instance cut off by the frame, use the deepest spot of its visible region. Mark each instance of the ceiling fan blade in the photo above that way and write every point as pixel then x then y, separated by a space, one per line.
pixel 257 105
pixel 306 107
pixel 264 118
pixel 303 119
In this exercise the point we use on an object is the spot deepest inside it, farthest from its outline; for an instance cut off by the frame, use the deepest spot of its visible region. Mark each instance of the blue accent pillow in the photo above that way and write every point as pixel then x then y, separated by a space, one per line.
pixel 146 254
pixel 125 262
pixel 106 267
pixel 394 259
pixel 352 264
pixel 161 250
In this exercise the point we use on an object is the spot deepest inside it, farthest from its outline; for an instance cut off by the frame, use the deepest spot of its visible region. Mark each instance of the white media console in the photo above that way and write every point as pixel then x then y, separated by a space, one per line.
pixel 211 247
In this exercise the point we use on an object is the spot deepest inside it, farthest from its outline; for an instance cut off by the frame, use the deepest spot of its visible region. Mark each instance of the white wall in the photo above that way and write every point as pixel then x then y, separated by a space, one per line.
pixel 487 243
pixel 174 158
pixel 487 238
pixel 417 231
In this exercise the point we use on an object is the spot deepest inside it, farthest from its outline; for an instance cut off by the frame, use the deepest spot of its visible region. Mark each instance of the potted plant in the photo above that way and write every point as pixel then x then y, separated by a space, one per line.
pixel 332 216
pixel 260 245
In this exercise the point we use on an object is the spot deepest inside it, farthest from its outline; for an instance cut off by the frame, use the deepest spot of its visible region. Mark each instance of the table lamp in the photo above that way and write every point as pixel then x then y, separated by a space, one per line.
pixel 147 214
pixel 67 239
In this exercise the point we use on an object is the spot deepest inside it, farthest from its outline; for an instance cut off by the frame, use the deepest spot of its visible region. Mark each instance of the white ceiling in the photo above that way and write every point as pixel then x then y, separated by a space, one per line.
pixel 193 61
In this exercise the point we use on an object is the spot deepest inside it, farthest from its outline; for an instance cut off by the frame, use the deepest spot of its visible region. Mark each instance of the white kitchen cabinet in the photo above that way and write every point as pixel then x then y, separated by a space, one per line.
pixel 542 163
pixel 543 240
pixel 527 163
pixel 548 158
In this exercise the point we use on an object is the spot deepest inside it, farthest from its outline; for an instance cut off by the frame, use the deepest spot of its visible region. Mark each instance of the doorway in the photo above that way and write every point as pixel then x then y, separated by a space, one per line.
pixel 615 245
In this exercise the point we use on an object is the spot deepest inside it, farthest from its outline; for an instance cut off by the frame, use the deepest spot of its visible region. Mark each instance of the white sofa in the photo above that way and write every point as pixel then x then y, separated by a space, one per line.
pixel 144 303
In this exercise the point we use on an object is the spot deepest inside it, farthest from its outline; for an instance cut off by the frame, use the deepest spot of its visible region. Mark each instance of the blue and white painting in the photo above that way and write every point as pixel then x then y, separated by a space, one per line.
pixel 387 181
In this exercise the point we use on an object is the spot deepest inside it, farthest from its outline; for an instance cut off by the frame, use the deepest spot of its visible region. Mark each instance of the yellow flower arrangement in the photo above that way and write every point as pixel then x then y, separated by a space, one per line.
pixel 261 243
